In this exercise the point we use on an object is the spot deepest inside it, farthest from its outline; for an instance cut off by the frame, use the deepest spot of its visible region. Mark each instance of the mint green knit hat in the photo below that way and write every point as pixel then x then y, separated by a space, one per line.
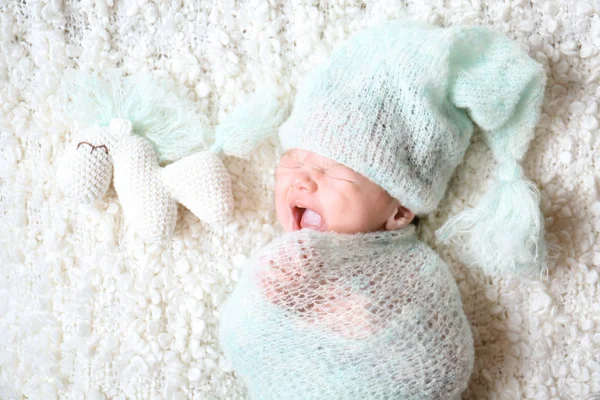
pixel 398 103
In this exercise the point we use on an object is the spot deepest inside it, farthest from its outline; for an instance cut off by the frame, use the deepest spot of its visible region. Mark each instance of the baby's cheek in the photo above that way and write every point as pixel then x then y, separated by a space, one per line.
pixel 368 215
pixel 281 206
pixel 348 214
pixel 280 214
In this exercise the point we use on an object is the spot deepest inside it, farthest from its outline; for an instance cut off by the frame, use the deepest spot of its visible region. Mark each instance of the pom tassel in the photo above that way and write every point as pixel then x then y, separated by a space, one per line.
pixel 249 124
pixel 506 228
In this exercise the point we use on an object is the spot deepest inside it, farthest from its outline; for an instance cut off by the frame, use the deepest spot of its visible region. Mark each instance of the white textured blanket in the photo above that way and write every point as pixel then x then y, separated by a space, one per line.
pixel 87 310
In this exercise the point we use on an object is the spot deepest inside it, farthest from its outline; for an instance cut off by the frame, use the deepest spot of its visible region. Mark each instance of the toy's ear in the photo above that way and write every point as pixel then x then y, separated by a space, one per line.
pixel 202 184
pixel 85 171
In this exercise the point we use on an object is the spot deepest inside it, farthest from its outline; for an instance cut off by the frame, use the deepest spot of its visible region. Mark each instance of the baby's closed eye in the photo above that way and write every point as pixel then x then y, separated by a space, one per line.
pixel 335 175
pixel 341 174
pixel 332 171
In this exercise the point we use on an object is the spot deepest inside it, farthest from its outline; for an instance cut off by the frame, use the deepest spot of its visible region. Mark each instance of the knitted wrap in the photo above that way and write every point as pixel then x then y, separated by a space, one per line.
pixel 339 316
pixel 398 103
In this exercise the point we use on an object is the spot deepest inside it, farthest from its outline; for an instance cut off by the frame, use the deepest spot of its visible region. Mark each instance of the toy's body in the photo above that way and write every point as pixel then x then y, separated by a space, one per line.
pixel 143 195
pixel 366 316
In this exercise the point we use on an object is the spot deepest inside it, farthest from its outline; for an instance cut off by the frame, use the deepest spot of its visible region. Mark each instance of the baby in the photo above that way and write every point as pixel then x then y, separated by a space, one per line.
pixel 315 192
pixel 349 303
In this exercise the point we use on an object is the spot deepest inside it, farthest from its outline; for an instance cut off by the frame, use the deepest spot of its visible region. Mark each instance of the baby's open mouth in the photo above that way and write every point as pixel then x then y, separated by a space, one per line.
pixel 307 218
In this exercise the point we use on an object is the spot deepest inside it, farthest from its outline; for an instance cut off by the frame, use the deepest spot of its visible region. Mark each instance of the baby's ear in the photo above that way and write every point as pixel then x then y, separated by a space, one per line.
pixel 399 218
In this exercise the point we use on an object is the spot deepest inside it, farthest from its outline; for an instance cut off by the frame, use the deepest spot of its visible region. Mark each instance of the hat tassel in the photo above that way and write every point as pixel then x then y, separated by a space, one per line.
pixel 506 228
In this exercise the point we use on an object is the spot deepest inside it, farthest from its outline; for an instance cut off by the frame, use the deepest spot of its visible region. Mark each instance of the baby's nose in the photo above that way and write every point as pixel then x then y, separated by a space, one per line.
pixel 305 183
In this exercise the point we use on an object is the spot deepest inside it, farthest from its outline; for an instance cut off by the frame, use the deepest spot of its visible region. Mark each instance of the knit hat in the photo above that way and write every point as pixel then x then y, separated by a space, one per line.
pixel 398 103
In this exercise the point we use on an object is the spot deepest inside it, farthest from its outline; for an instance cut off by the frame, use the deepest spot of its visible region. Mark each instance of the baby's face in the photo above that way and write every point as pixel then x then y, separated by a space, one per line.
pixel 315 192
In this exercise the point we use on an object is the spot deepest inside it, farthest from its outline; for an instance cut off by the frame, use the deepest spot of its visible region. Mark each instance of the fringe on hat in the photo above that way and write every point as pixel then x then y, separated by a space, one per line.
pixel 506 227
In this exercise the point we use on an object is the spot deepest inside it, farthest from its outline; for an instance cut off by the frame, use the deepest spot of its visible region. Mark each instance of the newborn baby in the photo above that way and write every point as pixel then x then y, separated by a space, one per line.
pixel 317 193
pixel 349 303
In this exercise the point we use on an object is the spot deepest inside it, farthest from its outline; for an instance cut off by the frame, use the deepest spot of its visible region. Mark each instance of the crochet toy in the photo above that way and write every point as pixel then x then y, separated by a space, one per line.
pixel 137 125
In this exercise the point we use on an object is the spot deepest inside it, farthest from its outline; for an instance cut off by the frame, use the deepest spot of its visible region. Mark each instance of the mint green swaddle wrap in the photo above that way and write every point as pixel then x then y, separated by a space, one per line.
pixel 337 316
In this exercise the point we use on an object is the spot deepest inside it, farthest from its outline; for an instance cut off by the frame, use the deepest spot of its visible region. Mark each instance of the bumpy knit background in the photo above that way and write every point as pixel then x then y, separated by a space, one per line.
pixel 86 309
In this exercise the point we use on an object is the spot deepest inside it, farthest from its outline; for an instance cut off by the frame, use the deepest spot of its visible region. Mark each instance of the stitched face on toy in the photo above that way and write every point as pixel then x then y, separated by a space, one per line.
pixel 314 192
pixel 86 171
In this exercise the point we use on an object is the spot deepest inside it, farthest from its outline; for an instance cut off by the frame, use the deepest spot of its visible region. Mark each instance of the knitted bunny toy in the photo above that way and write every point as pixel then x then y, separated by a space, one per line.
pixel 136 125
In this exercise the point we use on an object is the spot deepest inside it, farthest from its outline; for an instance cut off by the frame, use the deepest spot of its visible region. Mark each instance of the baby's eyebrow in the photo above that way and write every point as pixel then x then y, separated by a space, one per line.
pixel 292 152
pixel 335 166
